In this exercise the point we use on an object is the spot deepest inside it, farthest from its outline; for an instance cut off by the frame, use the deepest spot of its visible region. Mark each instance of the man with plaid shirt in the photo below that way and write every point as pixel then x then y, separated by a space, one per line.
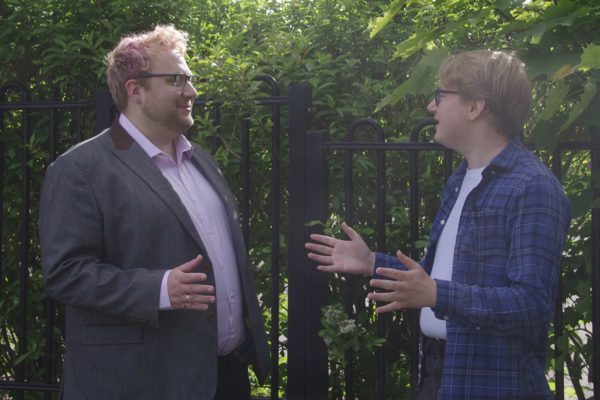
pixel 487 285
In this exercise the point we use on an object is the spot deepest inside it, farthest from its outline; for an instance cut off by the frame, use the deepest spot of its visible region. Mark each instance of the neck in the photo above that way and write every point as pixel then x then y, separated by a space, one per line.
pixel 480 151
pixel 158 135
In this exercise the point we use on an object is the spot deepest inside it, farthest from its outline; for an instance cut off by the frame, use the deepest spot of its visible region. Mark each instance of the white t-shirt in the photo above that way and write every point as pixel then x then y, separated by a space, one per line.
pixel 444 254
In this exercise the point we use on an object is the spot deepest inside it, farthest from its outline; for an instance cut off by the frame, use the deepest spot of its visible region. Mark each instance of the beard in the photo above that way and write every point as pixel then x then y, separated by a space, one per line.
pixel 170 121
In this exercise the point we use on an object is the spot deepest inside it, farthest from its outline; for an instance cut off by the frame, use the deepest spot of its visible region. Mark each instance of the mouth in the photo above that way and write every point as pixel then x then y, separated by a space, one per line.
pixel 187 107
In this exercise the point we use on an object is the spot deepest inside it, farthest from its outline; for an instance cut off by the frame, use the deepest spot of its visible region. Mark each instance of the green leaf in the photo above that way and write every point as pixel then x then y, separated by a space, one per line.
pixel 580 203
pixel 422 79
pixel 414 43
pixel 313 223
pixel 554 100
pixel 539 29
pixel 419 244
pixel 590 57
pixel 381 22
pixel 503 4
pixel 356 344
pixel 21 358
pixel 539 64
pixel 588 95
pixel 514 26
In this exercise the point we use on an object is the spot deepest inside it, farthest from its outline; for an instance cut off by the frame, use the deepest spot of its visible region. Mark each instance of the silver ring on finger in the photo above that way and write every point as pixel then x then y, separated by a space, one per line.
pixel 187 299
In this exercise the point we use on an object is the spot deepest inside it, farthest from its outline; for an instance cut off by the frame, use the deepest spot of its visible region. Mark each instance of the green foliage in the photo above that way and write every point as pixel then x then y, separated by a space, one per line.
pixel 342 333
pixel 375 59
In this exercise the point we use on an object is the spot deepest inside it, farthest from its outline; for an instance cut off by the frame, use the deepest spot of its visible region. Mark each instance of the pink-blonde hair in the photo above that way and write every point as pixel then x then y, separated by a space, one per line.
pixel 133 56
pixel 496 76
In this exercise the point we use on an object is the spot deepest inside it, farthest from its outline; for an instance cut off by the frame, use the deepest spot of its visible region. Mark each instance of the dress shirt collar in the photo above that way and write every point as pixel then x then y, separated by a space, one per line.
pixel 182 145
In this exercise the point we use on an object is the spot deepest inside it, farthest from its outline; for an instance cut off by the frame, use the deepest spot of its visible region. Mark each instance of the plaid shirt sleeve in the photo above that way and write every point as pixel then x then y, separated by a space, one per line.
pixel 537 224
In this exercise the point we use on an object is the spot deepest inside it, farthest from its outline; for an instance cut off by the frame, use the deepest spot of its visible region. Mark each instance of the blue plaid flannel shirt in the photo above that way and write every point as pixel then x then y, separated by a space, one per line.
pixel 500 301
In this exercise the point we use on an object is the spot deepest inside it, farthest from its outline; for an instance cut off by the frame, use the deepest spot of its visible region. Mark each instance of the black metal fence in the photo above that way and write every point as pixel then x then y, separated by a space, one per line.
pixel 308 201
pixel 316 159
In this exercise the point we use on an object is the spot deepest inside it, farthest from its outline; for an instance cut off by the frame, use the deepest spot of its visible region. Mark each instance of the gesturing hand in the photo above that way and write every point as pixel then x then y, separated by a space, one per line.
pixel 180 285
pixel 352 256
pixel 411 289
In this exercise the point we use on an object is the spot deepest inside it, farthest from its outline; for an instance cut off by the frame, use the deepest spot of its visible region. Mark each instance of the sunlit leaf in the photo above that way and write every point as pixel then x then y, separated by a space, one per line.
pixel 554 100
pixel 563 72
pixel 381 22
pixel 590 57
pixel 588 95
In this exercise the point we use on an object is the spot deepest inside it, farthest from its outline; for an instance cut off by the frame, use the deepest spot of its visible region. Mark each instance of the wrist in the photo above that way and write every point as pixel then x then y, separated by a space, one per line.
pixel 370 269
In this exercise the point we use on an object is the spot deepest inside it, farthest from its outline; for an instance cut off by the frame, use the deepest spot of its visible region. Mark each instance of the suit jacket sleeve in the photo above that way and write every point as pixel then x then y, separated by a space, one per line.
pixel 72 241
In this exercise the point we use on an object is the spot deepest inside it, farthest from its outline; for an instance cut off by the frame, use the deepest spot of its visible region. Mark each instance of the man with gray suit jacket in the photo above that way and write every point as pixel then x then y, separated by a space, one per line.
pixel 141 240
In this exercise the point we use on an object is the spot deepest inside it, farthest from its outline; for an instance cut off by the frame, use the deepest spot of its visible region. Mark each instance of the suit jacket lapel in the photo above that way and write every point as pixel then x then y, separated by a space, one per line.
pixel 132 155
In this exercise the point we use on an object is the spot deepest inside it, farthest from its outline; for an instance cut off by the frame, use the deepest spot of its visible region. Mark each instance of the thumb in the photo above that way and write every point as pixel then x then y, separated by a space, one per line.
pixel 190 265
pixel 350 232
pixel 408 262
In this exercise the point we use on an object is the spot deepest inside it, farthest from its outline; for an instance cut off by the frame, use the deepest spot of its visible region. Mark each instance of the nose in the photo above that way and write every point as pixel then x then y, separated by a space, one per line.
pixel 431 107
pixel 189 92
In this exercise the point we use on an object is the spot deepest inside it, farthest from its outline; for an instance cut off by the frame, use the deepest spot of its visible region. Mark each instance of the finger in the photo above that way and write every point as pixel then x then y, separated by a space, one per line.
pixel 199 289
pixel 195 307
pixel 408 262
pixel 199 299
pixel 321 259
pixel 328 268
pixel 390 307
pixel 320 249
pixel 383 284
pixel 190 265
pixel 391 273
pixel 189 278
pixel 324 239
pixel 388 297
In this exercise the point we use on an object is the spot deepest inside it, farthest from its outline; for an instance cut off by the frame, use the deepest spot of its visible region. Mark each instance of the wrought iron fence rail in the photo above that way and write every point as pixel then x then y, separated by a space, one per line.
pixel 38 387
pixel 575 145
pixel 44 105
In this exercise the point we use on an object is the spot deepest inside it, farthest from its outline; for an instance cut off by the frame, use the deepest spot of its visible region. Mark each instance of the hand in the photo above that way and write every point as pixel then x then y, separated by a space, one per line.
pixel 411 289
pixel 353 257
pixel 180 284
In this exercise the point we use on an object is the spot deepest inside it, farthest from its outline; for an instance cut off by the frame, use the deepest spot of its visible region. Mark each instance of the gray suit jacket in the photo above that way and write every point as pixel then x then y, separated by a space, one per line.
pixel 111 225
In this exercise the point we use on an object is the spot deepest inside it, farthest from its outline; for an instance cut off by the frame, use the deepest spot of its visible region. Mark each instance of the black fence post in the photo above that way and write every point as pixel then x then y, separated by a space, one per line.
pixel 103 110
pixel 414 314
pixel 594 239
pixel 559 370
pixel 300 100
pixel 317 205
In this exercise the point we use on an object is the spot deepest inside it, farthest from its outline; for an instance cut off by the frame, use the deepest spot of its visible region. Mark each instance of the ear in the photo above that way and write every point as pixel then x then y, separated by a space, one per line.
pixel 476 108
pixel 133 88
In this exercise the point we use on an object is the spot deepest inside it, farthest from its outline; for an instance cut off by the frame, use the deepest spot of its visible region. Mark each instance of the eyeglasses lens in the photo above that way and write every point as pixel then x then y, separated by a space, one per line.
pixel 181 79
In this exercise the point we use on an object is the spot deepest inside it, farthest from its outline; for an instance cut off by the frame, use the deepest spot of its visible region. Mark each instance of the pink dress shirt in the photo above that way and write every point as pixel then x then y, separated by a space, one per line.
pixel 208 215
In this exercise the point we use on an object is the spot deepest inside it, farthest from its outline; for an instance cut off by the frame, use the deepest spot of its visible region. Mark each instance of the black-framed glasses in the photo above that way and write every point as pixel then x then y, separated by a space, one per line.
pixel 179 80
pixel 437 95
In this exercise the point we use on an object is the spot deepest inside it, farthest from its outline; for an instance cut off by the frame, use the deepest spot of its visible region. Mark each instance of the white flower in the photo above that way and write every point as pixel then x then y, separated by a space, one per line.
pixel 347 326
pixel 327 340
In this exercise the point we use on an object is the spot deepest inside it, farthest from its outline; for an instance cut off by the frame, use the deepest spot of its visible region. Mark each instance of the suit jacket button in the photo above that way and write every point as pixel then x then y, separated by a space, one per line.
pixel 207 269
pixel 212 316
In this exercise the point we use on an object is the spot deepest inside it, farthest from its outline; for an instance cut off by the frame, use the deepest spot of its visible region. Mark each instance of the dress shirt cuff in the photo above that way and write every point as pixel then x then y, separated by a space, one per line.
pixel 450 300
pixel 165 302
pixel 385 261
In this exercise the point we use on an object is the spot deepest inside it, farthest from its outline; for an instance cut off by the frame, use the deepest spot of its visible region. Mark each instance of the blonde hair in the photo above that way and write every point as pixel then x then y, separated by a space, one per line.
pixel 497 77
pixel 133 56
